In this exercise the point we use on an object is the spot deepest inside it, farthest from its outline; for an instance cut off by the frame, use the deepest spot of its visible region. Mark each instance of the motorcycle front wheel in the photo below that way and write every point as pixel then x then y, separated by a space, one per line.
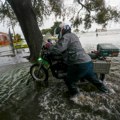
pixel 39 73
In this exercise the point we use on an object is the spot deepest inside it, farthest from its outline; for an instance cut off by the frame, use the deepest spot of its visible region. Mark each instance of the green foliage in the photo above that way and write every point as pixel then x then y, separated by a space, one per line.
pixel 94 11
pixel 76 30
pixel 95 5
pixel 88 21
pixel 102 16
pixel 18 37
pixel 56 24
pixel 114 14
pixel 45 31
pixel 51 30
pixel 77 21
pixel 7 12
pixel 55 6
pixel 43 9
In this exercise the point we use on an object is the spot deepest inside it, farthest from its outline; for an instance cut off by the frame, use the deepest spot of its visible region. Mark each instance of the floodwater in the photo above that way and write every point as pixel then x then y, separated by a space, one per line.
pixel 22 101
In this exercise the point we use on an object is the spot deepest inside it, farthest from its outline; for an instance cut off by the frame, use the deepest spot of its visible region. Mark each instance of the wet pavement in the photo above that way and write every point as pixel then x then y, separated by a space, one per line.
pixel 22 101
pixel 19 101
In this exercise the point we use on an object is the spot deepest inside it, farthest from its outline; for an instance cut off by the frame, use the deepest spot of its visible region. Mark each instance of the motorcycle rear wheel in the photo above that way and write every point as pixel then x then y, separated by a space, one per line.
pixel 39 74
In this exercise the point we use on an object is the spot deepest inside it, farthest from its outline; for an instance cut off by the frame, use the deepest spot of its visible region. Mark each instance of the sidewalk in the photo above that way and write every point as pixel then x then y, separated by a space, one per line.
pixel 6 56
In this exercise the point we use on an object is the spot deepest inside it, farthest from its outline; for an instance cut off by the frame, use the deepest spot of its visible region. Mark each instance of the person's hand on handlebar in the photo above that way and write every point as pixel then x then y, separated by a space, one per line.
pixel 47 45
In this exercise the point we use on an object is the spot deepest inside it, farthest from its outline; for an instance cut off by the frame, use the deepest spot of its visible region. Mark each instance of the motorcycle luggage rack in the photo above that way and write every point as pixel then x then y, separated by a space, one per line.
pixel 101 66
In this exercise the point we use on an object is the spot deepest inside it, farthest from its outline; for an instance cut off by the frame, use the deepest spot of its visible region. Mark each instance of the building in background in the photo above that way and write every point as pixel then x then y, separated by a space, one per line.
pixel 4 39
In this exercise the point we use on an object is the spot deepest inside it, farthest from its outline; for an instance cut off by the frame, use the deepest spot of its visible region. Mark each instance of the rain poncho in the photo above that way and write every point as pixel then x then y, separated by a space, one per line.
pixel 73 53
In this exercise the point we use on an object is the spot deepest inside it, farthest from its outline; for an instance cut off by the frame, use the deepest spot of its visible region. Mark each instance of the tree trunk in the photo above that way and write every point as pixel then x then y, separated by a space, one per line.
pixel 28 22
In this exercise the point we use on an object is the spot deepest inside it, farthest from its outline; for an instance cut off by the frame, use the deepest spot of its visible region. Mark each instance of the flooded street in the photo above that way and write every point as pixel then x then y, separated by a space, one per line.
pixel 22 99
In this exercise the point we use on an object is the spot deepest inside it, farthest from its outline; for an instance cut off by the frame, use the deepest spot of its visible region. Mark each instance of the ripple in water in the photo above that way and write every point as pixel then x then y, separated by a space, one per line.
pixel 19 101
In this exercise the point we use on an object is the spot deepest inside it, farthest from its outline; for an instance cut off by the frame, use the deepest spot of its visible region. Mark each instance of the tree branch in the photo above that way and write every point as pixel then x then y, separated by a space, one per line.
pixel 83 6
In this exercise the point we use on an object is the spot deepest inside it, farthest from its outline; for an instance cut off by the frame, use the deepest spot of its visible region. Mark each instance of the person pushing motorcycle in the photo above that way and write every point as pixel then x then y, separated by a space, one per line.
pixel 78 61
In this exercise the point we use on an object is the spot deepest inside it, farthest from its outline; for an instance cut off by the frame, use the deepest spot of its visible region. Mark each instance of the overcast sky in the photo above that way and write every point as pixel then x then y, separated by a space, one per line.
pixel 49 23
